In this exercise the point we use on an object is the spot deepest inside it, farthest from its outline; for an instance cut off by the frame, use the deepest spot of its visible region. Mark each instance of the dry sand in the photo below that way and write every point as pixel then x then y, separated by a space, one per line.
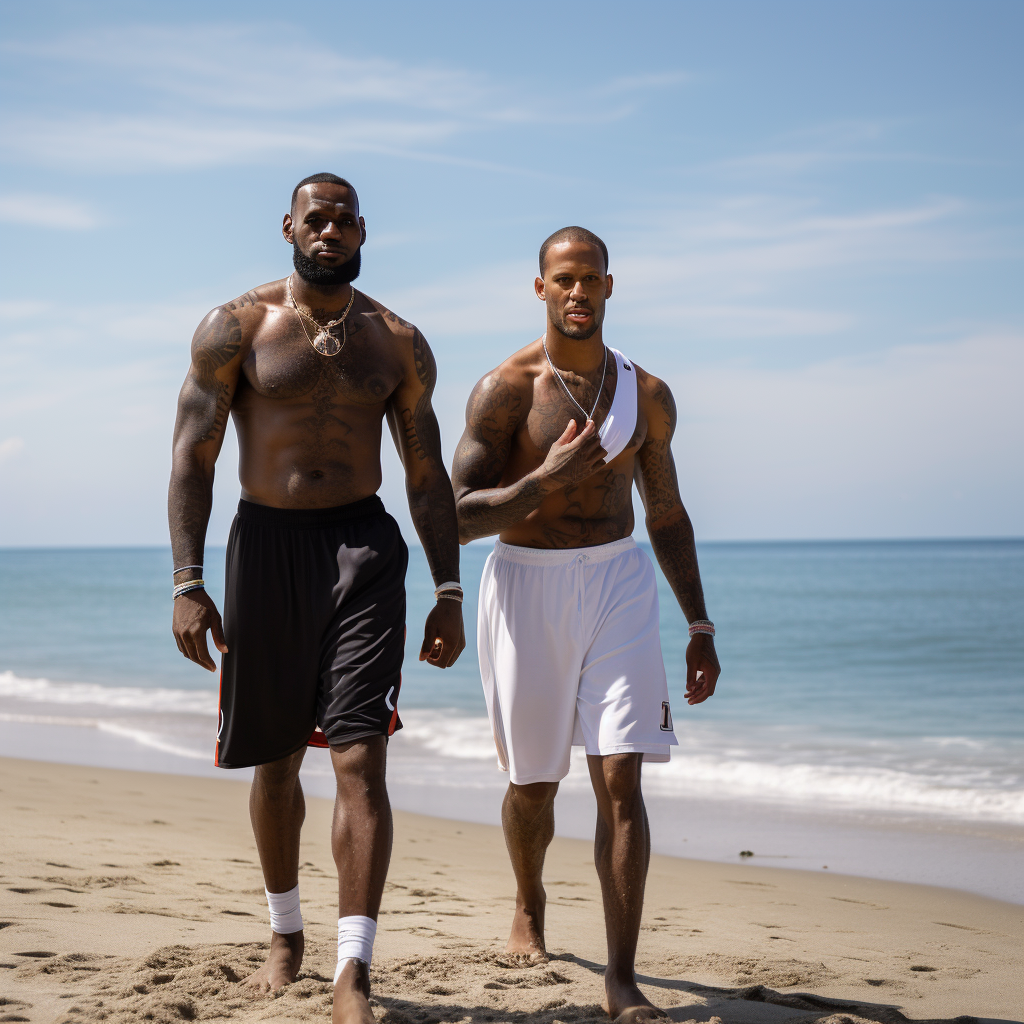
pixel 129 896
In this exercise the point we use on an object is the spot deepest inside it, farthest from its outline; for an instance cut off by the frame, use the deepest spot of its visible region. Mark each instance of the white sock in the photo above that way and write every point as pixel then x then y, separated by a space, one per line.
pixel 285 916
pixel 355 941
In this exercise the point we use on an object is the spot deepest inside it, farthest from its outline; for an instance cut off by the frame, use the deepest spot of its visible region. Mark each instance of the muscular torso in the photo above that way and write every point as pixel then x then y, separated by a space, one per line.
pixel 600 508
pixel 308 425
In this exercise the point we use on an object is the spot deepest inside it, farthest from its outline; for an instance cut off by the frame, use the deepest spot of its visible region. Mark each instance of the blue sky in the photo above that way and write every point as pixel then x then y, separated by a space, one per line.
pixel 815 214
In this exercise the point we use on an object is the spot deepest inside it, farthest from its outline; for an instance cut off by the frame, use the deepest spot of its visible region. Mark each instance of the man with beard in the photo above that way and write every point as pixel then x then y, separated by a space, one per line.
pixel 568 620
pixel 314 610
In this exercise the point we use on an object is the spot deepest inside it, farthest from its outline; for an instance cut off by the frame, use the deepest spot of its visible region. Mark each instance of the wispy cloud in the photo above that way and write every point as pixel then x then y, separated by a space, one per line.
pixel 831 145
pixel 257 68
pixel 138 143
pixel 198 96
pixel 47 211
pixel 713 266
pixel 10 447
pixel 919 440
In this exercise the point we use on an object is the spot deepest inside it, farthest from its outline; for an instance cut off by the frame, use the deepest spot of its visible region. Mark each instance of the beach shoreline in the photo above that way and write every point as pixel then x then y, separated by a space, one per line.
pixel 116 879
pixel 975 856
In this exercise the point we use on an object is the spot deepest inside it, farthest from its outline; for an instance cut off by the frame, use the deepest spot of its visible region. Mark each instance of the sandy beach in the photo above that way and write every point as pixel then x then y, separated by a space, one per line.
pixel 130 896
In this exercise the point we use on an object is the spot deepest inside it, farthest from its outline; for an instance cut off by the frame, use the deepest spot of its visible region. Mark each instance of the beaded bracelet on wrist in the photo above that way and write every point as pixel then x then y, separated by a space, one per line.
pixel 451 585
pixel 188 586
pixel 450 595
pixel 702 626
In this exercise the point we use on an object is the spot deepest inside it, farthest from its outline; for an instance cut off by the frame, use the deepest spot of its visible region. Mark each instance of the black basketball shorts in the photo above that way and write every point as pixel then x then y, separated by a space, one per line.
pixel 314 620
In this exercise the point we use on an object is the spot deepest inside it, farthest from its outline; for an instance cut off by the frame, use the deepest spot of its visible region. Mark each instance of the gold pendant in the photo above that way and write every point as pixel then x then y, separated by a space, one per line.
pixel 326 344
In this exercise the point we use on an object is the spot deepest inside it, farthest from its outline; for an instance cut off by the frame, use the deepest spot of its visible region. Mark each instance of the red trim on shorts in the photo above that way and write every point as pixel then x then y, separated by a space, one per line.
pixel 394 714
pixel 317 739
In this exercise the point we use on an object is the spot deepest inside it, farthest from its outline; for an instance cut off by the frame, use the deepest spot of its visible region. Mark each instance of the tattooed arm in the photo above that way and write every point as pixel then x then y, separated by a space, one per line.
pixel 494 411
pixel 670 530
pixel 431 502
pixel 203 407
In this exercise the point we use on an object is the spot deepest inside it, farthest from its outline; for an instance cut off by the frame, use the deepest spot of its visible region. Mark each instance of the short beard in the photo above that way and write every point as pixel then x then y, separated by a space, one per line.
pixel 574 331
pixel 325 278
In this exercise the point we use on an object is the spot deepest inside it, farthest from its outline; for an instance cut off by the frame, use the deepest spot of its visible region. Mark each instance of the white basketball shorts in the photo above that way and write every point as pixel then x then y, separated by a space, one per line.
pixel 570 655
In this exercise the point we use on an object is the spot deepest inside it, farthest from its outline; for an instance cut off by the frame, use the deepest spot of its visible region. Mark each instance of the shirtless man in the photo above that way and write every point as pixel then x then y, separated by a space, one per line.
pixel 314 611
pixel 568 624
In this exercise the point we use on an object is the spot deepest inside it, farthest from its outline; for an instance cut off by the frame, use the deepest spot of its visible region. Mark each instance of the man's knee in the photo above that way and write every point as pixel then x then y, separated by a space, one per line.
pixel 533 797
pixel 360 765
pixel 621 778
pixel 281 774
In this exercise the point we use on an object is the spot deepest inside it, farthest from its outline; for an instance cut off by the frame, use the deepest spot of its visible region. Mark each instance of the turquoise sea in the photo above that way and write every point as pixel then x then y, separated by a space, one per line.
pixel 875 677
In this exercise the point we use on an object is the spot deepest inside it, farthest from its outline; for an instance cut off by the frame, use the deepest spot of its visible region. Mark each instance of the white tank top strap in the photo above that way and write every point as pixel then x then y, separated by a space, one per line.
pixel 619 424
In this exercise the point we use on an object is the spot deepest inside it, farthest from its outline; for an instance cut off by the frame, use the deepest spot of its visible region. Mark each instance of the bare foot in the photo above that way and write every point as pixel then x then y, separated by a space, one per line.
pixel 351 995
pixel 282 964
pixel 626 1004
pixel 525 946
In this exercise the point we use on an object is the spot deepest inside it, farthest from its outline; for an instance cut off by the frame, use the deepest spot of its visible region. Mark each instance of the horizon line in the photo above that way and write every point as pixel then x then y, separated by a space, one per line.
pixel 937 539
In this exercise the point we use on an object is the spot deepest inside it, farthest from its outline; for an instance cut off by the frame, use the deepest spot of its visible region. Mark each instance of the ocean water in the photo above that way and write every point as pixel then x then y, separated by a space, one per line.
pixel 874 679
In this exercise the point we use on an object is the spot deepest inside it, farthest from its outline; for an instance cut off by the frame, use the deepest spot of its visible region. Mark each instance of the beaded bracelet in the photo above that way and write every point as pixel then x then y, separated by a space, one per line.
pixel 702 626
pixel 442 587
pixel 450 595
pixel 188 585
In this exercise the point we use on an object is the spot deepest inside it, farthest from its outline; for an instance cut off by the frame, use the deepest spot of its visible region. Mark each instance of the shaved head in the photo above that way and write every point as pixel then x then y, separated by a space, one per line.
pixel 572 234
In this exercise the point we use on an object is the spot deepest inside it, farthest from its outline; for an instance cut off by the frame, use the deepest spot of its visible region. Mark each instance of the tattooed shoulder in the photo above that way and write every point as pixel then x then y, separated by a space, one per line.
pixel 393 320
pixel 658 400
pixel 249 300
pixel 426 368
pixel 495 405
pixel 217 341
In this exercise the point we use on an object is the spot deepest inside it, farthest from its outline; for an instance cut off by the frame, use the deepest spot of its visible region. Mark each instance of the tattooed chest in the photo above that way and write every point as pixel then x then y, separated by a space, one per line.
pixel 287 367
pixel 552 408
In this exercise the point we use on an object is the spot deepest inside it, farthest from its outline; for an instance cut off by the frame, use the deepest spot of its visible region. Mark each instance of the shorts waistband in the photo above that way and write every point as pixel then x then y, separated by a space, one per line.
pixel 562 556
pixel 307 518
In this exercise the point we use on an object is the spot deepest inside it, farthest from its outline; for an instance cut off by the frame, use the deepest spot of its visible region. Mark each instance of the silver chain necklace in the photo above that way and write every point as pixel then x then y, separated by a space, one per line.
pixel 565 387
pixel 324 342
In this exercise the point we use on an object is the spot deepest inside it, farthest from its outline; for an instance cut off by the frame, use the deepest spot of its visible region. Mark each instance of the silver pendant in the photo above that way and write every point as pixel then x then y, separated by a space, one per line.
pixel 326 344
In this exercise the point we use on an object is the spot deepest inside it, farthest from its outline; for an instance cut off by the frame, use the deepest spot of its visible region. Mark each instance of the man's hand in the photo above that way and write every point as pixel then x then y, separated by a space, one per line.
pixel 573 457
pixel 444 637
pixel 701 659
pixel 194 614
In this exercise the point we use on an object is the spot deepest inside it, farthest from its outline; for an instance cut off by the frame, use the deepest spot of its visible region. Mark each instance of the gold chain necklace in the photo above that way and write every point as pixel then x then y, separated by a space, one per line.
pixel 324 342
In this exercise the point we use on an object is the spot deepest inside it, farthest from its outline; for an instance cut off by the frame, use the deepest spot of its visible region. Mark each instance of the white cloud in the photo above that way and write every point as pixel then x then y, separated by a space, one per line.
pixel 20 309
pixel 738 321
pixel 758 237
pixel 921 440
pixel 258 68
pixel 10 447
pixel 46 211
pixel 494 300
pixel 214 94
pixel 134 143
pixel 727 268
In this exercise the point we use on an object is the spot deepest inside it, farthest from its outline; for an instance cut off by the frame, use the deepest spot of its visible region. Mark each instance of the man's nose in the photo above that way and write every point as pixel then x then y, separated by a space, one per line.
pixel 330 230
pixel 577 292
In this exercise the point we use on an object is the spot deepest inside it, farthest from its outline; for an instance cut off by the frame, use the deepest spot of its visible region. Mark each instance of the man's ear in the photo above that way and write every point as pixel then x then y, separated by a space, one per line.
pixel 538 287
pixel 608 293
pixel 362 231
pixel 286 228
